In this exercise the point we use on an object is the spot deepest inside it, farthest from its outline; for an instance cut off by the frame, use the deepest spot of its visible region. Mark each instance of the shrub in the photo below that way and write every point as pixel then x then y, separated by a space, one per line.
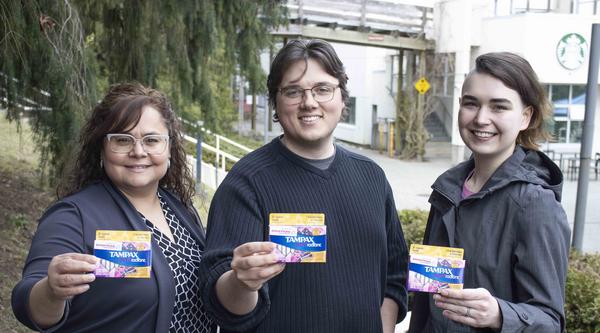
pixel 18 220
pixel 413 225
pixel 582 293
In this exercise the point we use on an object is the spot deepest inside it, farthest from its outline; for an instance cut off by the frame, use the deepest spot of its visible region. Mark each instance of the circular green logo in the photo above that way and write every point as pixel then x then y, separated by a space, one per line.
pixel 571 51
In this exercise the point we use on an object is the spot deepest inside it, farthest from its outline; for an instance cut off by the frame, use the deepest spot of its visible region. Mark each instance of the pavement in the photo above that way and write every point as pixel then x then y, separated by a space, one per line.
pixel 411 181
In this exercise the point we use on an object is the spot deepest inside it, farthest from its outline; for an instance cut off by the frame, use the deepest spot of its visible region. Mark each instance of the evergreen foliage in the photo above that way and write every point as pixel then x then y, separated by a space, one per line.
pixel 55 55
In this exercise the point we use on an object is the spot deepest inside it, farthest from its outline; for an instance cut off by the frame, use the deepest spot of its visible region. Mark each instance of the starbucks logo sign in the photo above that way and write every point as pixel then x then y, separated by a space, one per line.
pixel 571 51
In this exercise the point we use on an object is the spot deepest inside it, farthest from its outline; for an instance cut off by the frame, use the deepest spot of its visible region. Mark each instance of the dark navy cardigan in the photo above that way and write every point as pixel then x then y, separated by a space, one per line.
pixel 110 305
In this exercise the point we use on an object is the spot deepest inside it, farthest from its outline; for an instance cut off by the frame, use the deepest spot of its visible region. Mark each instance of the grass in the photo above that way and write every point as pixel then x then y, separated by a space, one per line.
pixel 23 200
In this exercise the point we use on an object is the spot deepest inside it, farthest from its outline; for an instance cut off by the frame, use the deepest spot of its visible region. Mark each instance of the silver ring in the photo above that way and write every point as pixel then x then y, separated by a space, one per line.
pixel 468 314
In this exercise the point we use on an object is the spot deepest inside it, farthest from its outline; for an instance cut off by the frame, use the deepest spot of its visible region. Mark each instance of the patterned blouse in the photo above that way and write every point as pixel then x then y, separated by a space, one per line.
pixel 183 256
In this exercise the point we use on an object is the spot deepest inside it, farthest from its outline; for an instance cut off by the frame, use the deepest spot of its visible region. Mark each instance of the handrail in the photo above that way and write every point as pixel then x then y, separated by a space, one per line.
pixel 231 142
pixel 211 148
pixel 221 157
pixel 217 136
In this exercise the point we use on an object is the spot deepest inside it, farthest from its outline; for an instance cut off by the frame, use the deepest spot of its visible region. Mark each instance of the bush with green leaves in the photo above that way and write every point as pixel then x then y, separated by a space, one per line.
pixel 413 225
pixel 582 293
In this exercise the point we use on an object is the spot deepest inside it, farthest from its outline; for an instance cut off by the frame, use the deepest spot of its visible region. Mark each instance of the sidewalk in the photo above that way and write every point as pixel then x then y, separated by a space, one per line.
pixel 411 183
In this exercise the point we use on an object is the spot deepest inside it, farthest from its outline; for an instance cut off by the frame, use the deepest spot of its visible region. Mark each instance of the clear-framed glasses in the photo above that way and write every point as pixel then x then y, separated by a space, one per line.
pixel 153 144
pixel 321 93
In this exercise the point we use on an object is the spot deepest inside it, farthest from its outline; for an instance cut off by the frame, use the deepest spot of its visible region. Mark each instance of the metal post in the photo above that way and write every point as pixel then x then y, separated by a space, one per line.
pixel 380 128
pixel 199 162
pixel 391 138
pixel 241 102
pixel 217 152
pixel 266 110
pixel 586 138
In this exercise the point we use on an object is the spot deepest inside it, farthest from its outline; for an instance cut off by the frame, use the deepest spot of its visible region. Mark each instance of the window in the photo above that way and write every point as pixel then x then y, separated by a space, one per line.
pixel 510 7
pixel 568 102
pixel 351 112
pixel 587 7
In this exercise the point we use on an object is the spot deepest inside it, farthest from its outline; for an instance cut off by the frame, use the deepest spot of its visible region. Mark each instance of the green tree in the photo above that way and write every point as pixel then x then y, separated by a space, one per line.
pixel 43 70
pixel 55 55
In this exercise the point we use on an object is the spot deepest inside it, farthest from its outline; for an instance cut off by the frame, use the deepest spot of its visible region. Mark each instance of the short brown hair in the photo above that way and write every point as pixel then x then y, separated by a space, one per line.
pixel 119 111
pixel 303 49
pixel 516 73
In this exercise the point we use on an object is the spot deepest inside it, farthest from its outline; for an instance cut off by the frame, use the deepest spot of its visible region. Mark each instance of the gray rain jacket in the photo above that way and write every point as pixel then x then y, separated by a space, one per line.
pixel 516 240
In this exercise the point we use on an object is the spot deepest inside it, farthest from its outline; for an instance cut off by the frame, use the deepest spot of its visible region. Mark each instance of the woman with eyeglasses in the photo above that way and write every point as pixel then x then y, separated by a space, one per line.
pixel 130 174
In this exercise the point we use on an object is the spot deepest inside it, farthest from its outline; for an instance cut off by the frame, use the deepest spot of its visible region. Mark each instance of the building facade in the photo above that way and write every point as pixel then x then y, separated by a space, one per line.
pixel 554 36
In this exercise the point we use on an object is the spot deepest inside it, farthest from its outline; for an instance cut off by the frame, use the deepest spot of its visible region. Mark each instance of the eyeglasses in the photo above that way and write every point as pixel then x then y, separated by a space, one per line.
pixel 153 144
pixel 321 93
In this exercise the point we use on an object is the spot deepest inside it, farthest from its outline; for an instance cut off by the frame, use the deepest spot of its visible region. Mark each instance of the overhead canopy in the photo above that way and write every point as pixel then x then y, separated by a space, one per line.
pixel 391 23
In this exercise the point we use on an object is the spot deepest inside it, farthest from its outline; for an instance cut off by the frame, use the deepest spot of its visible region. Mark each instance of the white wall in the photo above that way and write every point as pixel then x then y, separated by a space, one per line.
pixel 467 28
pixel 368 82
pixel 535 37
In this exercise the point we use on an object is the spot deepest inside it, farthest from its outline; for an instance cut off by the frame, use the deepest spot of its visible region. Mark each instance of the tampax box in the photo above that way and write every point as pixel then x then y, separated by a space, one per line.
pixel 299 238
pixel 123 254
pixel 432 268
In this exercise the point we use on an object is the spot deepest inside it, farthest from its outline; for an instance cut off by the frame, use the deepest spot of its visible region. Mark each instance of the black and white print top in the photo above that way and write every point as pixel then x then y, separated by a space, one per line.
pixel 183 256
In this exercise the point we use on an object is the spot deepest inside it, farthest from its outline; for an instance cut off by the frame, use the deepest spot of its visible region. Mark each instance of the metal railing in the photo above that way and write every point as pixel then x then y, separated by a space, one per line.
pixel 212 174
pixel 221 156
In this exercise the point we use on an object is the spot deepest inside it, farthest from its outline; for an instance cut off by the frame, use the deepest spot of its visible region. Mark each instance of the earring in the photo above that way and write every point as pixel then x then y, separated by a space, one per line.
pixel 101 164
pixel 168 164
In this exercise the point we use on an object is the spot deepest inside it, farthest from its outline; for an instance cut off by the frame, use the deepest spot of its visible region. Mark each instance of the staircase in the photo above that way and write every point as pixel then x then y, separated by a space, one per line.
pixel 436 129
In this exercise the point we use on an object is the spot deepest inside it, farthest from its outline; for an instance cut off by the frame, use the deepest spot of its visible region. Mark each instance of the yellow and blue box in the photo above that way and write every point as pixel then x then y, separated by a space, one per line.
pixel 432 268
pixel 299 237
pixel 123 254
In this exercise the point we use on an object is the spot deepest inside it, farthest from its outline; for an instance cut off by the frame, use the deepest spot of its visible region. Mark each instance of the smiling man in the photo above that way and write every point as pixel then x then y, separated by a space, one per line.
pixel 361 285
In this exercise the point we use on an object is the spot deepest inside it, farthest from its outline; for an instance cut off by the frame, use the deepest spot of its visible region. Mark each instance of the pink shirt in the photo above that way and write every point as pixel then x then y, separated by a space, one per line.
pixel 465 191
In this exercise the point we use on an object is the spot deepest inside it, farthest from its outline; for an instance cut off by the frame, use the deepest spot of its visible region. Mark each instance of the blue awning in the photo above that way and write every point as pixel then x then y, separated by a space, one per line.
pixel 561 112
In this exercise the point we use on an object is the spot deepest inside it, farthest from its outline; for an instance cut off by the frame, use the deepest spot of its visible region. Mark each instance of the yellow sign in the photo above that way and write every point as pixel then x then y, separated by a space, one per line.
pixel 422 86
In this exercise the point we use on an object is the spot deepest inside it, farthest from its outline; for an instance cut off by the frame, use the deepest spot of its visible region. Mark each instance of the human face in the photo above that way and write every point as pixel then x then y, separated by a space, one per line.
pixel 138 172
pixel 308 126
pixel 491 116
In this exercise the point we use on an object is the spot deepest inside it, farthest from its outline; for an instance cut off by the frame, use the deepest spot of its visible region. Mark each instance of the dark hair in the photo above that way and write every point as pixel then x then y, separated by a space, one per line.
pixel 119 111
pixel 298 49
pixel 516 73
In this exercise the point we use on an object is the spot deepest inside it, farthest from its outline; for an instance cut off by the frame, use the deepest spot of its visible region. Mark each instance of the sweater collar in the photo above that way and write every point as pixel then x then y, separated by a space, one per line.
pixel 281 150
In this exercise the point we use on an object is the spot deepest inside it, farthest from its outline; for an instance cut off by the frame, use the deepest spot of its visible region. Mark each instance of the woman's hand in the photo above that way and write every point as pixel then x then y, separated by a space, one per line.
pixel 472 307
pixel 255 263
pixel 69 275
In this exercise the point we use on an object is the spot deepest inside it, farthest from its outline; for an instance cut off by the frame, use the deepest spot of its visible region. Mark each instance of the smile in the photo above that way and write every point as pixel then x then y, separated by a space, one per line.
pixel 310 119
pixel 138 167
pixel 482 134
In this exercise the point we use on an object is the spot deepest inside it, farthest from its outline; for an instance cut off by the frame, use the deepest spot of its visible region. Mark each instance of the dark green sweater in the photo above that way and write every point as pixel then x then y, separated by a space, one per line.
pixel 366 251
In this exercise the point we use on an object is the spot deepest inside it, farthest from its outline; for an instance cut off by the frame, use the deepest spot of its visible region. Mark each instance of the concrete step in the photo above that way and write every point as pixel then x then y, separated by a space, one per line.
pixel 435 128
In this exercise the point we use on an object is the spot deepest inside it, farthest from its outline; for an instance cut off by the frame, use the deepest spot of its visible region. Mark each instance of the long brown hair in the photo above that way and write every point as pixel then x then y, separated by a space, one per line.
pixel 119 111
pixel 516 73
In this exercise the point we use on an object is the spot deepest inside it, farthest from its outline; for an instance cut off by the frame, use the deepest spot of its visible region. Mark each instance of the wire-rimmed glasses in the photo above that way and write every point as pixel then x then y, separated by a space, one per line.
pixel 153 144
pixel 321 93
